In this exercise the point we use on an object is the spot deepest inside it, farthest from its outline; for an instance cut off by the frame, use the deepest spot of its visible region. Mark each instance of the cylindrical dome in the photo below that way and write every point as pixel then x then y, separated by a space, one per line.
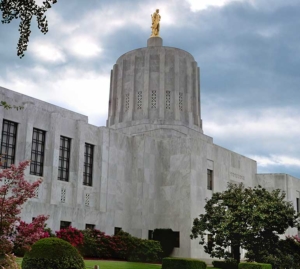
pixel 155 85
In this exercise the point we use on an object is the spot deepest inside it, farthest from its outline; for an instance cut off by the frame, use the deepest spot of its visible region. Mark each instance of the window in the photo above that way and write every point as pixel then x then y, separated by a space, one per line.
pixel 37 152
pixel 117 229
pixel 64 158
pixel 63 195
pixel 126 101
pixel 176 239
pixel 8 143
pixel 90 226
pixel 139 100
pixel 209 179
pixel 153 99
pixel 88 165
pixel 297 204
pixel 168 100
pixel 87 199
pixel 150 234
pixel 64 224
pixel 181 101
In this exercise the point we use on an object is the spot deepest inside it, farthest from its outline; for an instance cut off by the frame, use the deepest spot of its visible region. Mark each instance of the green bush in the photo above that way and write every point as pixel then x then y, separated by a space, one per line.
pixel 52 253
pixel 166 239
pixel 146 251
pixel 250 265
pixel 182 263
pixel 230 264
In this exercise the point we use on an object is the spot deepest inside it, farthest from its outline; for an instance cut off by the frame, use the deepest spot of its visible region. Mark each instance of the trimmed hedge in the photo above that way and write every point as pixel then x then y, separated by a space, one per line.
pixel 50 253
pixel 250 265
pixel 146 251
pixel 230 264
pixel 182 263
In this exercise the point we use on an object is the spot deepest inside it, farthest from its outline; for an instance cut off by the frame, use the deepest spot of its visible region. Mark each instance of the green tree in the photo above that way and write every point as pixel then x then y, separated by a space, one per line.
pixel 25 10
pixel 248 218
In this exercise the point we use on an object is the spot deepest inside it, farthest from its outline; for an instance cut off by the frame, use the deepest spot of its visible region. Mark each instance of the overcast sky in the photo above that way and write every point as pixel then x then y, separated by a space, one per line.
pixel 248 52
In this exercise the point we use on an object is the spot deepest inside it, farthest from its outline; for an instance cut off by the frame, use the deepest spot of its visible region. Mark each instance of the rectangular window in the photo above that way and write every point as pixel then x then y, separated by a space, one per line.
pixel 209 179
pixel 150 234
pixel 64 158
pixel 90 226
pixel 64 224
pixel 209 241
pixel 176 239
pixel 297 204
pixel 8 143
pixel 37 152
pixel 88 165
pixel 117 229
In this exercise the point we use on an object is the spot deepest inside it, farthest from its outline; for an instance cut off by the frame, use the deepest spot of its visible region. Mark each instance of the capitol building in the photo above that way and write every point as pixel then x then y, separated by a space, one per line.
pixel 151 166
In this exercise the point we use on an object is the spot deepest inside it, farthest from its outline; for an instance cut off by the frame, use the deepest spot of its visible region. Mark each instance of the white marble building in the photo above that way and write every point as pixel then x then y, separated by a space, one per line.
pixel 150 167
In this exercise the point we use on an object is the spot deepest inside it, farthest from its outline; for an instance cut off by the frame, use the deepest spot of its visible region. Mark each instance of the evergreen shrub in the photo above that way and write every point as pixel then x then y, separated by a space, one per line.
pixel 250 265
pixel 52 253
pixel 229 264
pixel 182 263
pixel 146 251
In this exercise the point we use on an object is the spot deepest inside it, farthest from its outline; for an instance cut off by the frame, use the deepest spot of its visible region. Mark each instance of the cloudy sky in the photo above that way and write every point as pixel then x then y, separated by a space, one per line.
pixel 248 52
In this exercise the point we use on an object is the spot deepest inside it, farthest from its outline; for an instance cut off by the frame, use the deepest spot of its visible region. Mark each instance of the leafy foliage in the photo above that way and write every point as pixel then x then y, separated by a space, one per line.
pixel 251 218
pixel 146 251
pixel 9 262
pixel 29 233
pixel 25 10
pixel 182 263
pixel 71 235
pixel 229 264
pixel 8 106
pixel 52 253
pixel 14 192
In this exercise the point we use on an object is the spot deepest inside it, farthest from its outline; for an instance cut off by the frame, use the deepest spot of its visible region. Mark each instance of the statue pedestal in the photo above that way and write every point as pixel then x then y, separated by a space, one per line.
pixel 154 41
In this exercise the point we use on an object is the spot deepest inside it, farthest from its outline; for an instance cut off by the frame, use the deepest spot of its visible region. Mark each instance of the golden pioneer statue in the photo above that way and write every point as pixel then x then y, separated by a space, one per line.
pixel 155 23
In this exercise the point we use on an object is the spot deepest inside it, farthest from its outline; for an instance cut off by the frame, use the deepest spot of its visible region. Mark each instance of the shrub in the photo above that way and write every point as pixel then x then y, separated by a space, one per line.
pixel 146 251
pixel 166 239
pixel 181 263
pixel 72 235
pixel 49 253
pixel 250 265
pixel 9 262
pixel 229 264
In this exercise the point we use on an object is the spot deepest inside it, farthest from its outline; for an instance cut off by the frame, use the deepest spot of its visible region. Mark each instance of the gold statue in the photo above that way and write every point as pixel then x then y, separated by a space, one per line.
pixel 155 23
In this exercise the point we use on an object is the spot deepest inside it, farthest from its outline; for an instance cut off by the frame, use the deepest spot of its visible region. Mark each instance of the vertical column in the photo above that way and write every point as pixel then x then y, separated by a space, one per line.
pixel 147 93
pixel 176 90
pixel 162 92
pixel 113 95
pixel 189 92
pixel 197 96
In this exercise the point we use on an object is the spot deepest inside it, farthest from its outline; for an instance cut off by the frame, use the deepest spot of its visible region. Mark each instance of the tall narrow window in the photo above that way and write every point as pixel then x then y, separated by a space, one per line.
pixel 150 234
pixel 88 165
pixel 209 179
pixel 37 152
pixel 176 239
pixel 210 241
pixel 297 204
pixel 8 143
pixel 64 158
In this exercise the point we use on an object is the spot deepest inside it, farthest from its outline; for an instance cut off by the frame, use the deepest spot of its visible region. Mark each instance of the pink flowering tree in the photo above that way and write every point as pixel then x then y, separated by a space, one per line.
pixel 28 233
pixel 15 190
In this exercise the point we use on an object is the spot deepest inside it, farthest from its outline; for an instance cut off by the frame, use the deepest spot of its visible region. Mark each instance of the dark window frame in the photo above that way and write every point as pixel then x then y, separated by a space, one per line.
pixel 90 226
pixel 64 224
pixel 88 164
pixel 117 229
pixel 210 179
pixel 6 144
pixel 38 139
pixel 150 234
pixel 64 158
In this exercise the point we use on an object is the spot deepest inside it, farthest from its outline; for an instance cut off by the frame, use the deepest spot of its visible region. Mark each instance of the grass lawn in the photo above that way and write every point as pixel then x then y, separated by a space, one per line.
pixel 115 265
pixel 120 265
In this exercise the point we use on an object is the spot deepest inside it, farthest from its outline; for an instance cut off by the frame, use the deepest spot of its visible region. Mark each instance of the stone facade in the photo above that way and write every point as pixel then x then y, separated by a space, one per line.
pixel 151 162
